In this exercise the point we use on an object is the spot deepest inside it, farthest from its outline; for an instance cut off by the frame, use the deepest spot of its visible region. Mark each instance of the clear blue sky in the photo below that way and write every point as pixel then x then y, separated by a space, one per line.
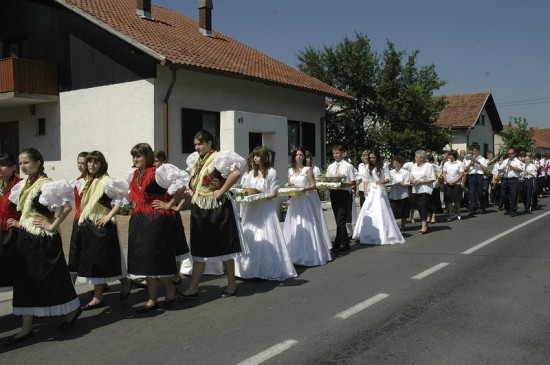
pixel 501 46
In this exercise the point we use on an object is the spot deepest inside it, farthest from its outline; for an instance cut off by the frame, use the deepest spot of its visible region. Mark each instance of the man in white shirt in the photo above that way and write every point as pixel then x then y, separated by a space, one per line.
pixel 529 192
pixel 476 166
pixel 341 199
pixel 511 168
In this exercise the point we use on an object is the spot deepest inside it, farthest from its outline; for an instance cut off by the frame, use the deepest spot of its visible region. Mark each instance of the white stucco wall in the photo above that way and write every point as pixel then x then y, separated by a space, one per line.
pixel 111 119
pixel 48 144
pixel 234 129
pixel 480 134
pixel 223 94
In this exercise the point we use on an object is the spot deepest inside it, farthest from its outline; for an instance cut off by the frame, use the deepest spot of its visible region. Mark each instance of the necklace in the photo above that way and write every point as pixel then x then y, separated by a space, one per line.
pixel 139 178
pixel 200 164
pixel 86 187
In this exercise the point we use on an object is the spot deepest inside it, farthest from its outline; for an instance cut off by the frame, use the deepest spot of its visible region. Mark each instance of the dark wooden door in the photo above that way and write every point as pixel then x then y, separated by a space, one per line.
pixel 9 138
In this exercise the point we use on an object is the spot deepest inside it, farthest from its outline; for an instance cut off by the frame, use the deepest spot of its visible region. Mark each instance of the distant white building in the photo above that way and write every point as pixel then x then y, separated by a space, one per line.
pixel 473 118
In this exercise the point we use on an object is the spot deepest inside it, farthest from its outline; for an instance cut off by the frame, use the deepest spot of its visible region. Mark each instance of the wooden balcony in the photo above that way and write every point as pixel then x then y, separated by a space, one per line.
pixel 26 76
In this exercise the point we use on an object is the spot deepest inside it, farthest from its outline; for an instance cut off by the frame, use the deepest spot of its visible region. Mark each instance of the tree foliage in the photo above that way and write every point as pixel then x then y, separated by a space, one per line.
pixel 517 135
pixel 393 107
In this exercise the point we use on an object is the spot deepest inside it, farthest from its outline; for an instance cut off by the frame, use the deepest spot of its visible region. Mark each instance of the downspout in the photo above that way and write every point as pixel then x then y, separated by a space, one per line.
pixel 468 138
pixel 165 111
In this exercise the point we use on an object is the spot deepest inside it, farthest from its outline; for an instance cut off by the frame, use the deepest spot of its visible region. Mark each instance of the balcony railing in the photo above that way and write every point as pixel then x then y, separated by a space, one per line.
pixel 28 76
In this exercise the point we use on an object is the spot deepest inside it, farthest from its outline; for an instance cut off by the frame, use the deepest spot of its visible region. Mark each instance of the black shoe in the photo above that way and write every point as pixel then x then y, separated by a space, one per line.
pixel 345 247
pixel 124 295
pixel 177 282
pixel 472 213
pixel 13 340
pixel 226 294
pixel 68 324
pixel 483 211
pixel 146 309
pixel 334 251
pixel 169 303
pixel 188 296
pixel 513 214
pixel 89 307
pixel 507 212
pixel 139 284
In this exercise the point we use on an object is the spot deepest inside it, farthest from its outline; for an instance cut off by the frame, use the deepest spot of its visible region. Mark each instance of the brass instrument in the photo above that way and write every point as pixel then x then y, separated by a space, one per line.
pixel 497 179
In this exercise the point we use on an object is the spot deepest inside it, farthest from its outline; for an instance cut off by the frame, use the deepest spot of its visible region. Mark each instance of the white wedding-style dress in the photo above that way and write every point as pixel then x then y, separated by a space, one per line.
pixel 376 224
pixel 268 258
pixel 305 228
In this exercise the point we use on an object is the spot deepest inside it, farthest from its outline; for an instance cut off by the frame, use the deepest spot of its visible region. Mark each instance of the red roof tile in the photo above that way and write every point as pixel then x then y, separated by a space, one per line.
pixel 541 137
pixel 176 39
pixel 463 110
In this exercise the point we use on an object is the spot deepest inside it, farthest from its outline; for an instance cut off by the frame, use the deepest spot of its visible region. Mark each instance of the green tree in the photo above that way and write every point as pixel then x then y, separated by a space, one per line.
pixel 393 107
pixel 517 135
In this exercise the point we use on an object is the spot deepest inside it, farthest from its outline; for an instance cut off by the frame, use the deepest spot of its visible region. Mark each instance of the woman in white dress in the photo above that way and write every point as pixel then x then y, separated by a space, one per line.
pixel 268 258
pixel 309 162
pixel 305 228
pixel 376 224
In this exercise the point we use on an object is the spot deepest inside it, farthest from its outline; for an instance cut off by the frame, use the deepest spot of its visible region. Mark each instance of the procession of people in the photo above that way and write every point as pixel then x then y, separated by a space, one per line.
pixel 249 241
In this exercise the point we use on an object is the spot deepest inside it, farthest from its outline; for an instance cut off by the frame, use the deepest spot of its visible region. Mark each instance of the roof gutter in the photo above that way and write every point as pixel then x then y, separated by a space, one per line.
pixel 165 111
pixel 157 56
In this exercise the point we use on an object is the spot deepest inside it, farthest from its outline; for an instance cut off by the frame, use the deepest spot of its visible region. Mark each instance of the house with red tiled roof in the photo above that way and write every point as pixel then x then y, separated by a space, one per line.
pixel 106 74
pixel 473 118
pixel 541 139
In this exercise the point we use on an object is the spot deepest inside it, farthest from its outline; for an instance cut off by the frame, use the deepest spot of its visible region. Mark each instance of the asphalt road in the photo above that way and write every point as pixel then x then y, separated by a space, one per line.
pixel 433 300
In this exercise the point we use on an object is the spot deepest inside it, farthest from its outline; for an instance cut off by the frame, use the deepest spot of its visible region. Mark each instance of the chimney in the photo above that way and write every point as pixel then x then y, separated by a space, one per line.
pixel 205 17
pixel 143 9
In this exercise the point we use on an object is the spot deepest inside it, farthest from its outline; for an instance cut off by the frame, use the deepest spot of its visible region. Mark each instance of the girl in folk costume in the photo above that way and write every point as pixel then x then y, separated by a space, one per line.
pixel 269 258
pixel 100 256
pixel 8 235
pixel 74 247
pixel 376 224
pixel 305 228
pixel 180 242
pixel 42 284
pixel 215 234
pixel 154 191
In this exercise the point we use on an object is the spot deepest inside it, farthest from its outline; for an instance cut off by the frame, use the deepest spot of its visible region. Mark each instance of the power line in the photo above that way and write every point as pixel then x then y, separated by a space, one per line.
pixel 526 102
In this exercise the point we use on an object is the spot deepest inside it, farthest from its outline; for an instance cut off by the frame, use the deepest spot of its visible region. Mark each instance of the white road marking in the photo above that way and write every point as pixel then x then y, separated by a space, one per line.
pixel 269 353
pixel 430 271
pixel 500 235
pixel 363 305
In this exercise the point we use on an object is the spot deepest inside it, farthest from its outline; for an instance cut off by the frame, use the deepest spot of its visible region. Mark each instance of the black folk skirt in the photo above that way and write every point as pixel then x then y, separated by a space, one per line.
pixel 180 241
pixel 74 248
pixel 214 233
pixel 8 243
pixel 151 248
pixel 42 284
pixel 100 255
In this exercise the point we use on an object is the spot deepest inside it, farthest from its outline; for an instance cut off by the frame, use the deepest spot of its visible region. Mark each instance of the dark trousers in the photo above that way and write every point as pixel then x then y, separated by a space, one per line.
pixel 361 197
pixel 453 193
pixel 340 200
pixel 509 193
pixel 476 197
pixel 529 193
